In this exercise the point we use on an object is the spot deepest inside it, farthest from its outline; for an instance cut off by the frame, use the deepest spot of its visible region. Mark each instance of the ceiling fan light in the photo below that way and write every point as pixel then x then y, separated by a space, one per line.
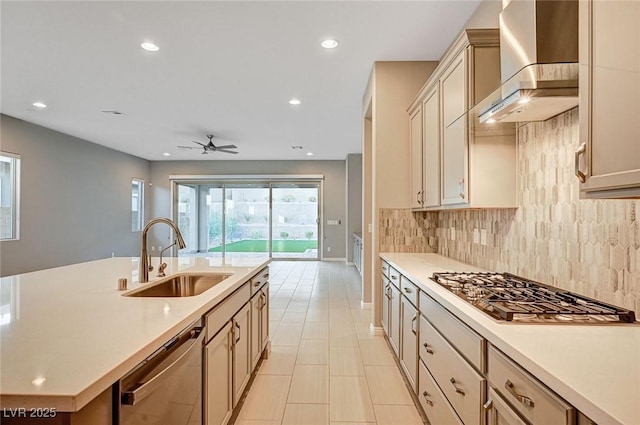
pixel 149 46
pixel 294 102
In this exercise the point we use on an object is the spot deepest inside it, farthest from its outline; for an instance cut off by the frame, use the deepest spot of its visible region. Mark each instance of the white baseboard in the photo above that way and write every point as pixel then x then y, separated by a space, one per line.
pixel 375 330
pixel 335 259
pixel 350 263
pixel 365 305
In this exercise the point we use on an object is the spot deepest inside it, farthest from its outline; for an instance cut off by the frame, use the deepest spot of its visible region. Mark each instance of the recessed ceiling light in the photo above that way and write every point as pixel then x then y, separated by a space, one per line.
pixel 166 154
pixel 150 47
pixel 309 153
pixel 294 102
pixel 330 43
pixel 39 105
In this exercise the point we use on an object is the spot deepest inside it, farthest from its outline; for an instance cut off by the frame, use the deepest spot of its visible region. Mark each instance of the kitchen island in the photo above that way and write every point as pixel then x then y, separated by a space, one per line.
pixel 67 334
pixel 595 368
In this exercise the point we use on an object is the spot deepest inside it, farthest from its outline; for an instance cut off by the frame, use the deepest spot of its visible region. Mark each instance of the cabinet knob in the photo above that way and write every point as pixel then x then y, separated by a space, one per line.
pixel 407 290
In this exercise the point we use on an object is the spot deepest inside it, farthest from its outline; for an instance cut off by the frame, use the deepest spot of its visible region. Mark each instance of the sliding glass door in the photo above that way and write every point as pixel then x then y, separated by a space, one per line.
pixel 238 219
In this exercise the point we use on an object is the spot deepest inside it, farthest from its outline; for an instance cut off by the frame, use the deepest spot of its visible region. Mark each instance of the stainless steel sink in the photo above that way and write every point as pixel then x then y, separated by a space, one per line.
pixel 181 285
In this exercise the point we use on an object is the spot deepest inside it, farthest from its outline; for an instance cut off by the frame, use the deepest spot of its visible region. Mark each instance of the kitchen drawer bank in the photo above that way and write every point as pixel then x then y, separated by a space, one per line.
pixel 101 350
pixel 559 366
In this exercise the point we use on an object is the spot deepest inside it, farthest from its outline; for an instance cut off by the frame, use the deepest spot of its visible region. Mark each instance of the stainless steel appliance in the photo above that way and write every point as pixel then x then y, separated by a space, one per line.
pixel 508 297
pixel 166 388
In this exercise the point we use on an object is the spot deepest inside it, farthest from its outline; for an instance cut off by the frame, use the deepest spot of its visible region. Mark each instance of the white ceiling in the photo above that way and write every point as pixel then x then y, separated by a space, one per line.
pixel 227 68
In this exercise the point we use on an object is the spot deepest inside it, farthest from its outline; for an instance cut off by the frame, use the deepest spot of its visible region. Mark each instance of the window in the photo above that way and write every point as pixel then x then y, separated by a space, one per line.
pixel 9 195
pixel 137 205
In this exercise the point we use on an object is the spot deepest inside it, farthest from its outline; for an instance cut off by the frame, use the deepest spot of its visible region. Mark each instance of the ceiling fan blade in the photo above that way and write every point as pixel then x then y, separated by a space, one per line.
pixel 205 153
pixel 199 143
pixel 227 147
pixel 187 147
pixel 226 151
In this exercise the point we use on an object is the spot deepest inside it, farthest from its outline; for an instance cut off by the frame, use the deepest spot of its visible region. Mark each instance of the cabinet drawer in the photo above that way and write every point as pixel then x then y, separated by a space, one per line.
pixel 433 402
pixel 532 399
pixel 394 277
pixel 224 311
pixel 409 290
pixel 460 383
pixel 385 268
pixel 259 280
pixel 466 341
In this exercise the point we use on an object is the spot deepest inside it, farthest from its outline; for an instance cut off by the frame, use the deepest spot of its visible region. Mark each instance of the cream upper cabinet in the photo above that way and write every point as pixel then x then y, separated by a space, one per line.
pixel 466 164
pixel 608 159
pixel 454 137
pixel 415 135
pixel 431 147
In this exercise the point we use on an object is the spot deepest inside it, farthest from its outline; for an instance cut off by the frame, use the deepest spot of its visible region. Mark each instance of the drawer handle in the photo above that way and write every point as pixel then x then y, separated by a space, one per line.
pixel 461 188
pixel 425 395
pixel 239 333
pixel 426 347
pixel 488 405
pixel 413 321
pixel 266 275
pixel 522 399
pixel 407 290
pixel 394 277
pixel 458 390
pixel 257 283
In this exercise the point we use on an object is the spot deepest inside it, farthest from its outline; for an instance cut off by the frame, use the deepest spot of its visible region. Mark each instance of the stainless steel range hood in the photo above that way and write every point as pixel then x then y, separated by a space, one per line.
pixel 539 62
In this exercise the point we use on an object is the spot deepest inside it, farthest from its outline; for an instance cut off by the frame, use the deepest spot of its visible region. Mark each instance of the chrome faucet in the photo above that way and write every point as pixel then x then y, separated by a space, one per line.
pixel 144 260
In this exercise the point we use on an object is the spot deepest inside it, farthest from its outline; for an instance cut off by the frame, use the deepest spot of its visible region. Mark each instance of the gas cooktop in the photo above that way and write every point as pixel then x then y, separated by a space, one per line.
pixel 508 297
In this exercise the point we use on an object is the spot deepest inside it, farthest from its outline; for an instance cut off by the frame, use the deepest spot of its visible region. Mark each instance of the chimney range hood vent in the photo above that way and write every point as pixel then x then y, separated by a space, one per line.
pixel 539 62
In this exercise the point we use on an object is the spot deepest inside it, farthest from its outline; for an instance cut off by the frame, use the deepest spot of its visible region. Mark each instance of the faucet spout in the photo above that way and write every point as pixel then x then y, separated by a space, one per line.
pixel 144 260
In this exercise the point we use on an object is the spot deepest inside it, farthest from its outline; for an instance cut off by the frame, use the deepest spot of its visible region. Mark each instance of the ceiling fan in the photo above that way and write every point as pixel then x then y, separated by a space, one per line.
pixel 210 147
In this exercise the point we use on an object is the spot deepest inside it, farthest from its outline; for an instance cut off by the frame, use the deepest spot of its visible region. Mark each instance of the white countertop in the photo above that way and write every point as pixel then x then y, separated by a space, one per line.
pixel 595 368
pixel 71 326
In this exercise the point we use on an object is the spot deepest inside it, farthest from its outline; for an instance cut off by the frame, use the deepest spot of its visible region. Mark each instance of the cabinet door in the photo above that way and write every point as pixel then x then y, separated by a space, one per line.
pixel 431 157
pixel 256 319
pixel 416 157
pixel 609 101
pixel 264 314
pixel 241 351
pixel 385 305
pixel 394 318
pixel 454 138
pixel 218 379
pixel 409 344
pixel 499 412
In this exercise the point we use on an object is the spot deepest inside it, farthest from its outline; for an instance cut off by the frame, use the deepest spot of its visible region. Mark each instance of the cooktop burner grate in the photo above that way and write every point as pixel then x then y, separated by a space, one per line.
pixel 505 296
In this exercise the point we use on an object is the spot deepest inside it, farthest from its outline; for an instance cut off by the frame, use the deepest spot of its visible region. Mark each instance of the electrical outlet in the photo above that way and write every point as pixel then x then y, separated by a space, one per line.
pixel 452 234
pixel 113 254
pixel 153 247
pixel 328 249
pixel 483 237
pixel 476 236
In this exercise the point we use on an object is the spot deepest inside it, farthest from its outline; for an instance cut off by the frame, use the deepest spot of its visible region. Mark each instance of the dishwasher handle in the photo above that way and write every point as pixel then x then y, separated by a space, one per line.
pixel 140 390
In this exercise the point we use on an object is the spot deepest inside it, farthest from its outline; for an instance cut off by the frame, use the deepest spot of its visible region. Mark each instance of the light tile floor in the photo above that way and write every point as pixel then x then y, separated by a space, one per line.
pixel 325 367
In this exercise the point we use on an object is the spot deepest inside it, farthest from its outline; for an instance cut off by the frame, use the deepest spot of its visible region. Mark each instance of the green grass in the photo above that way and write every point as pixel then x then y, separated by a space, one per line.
pixel 258 245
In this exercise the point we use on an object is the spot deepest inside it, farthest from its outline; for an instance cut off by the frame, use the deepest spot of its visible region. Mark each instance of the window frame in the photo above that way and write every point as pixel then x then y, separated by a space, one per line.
pixel 16 160
pixel 140 203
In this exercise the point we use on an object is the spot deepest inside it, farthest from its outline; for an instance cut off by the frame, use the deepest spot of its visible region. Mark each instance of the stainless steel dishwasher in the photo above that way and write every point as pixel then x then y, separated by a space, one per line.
pixel 166 388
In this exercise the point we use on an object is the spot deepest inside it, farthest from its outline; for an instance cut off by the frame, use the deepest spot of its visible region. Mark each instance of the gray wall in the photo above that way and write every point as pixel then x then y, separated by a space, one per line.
pixel 353 165
pixel 75 202
pixel 334 207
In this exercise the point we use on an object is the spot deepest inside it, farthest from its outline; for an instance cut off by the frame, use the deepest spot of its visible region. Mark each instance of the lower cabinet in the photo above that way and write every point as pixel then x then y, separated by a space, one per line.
pixel 394 318
pixel 409 345
pixel 242 366
pixel 218 378
pixel 433 402
pixel 237 334
pixel 499 412
pixel 386 299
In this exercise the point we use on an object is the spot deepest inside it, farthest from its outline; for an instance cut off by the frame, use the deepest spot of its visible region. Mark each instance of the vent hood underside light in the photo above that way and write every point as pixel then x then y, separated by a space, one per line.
pixel 536 93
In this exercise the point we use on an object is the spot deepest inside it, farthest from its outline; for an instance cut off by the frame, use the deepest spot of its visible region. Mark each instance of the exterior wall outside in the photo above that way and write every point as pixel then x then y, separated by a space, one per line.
pixel 334 197
pixel 75 199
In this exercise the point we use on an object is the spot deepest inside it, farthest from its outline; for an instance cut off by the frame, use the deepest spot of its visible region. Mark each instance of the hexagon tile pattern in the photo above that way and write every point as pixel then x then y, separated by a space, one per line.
pixel 587 246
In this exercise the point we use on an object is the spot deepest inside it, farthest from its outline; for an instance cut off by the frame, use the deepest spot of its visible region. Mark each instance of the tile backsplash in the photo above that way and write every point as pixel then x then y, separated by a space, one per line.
pixel 587 246
pixel 405 231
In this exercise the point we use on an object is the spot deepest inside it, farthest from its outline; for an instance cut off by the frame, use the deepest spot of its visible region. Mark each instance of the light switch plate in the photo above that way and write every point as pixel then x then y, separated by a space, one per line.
pixel 483 237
